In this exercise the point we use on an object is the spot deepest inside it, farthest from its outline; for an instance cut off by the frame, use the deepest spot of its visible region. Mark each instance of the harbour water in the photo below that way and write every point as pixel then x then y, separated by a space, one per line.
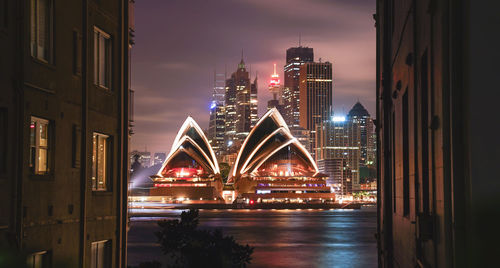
pixel 281 238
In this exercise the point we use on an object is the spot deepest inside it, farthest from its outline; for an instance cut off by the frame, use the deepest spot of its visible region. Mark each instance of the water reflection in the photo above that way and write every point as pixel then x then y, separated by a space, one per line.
pixel 282 238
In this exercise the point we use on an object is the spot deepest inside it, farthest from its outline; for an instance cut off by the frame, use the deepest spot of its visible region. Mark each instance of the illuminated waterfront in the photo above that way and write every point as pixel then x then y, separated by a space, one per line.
pixel 282 238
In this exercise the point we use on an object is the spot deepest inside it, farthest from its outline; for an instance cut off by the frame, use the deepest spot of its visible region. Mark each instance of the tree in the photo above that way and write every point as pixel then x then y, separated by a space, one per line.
pixel 190 247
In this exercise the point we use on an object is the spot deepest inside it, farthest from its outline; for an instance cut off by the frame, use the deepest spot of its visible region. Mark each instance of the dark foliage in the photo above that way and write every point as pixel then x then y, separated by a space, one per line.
pixel 190 247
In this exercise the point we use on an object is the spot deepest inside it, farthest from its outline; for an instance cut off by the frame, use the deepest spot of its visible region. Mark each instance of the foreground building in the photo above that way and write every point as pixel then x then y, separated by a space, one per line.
pixel 64 131
pixel 437 99
pixel 272 165
pixel 191 171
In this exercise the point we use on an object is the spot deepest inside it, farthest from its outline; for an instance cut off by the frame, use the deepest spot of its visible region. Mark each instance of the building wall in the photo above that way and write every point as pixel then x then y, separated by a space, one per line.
pixel 59 212
pixel 435 159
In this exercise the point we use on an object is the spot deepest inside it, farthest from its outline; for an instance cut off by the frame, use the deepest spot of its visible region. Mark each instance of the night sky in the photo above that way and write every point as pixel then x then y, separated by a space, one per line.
pixel 179 43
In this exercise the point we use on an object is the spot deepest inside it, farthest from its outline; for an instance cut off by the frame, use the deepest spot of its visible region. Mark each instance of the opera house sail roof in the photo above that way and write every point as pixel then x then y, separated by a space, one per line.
pixel 270 150
pixel 191 156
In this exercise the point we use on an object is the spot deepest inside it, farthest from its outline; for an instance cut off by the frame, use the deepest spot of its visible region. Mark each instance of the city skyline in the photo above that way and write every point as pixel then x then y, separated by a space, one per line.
pixel 172 84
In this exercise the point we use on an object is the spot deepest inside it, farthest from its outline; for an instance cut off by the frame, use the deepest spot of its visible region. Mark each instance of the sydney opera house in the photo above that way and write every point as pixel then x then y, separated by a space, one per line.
pixel 190 171
pixel 273 166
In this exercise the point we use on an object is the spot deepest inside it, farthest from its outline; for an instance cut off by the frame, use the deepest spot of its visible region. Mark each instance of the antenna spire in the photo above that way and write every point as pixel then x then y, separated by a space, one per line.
pixel 275 69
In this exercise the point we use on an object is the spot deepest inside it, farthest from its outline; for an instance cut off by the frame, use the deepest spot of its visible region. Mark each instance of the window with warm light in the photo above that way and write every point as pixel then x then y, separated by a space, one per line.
pixel 39 146
pixel 100 156
pixel 102 58
pixel 41 19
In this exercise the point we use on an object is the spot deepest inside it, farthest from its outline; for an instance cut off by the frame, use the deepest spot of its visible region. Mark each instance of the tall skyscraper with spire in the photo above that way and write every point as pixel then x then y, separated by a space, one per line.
pixel 295 58
pixel 241 104
pixel 275 89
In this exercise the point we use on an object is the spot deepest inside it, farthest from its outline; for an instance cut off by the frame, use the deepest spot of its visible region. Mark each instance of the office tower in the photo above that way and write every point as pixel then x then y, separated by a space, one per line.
pixel 315 96
pixel 64 121
pixel 241 105
pixel 360 116
pixel 337 173
pixel 276 90
pixel 216 125
pixel 295 58
pixel 438 133
pixel 340 138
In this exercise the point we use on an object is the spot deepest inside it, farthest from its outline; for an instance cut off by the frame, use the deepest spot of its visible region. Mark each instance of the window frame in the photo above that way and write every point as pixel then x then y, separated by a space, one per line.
pixel 33 163
pixel 104 245
pixel 34 41
pixel 4 138
pixel 98 33
pixel 45 259
pixel 95 163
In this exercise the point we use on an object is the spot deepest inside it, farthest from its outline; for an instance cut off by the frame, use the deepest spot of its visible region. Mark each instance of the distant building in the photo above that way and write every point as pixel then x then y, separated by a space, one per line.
pixel 275 89
pixel 360 116
pixel 217 122
pixel 303 136
pixel 191 171
pixel 159 158
pixel 339 176
pixel 273 166
pixel 295 58
pixel 340 138
pixel 144 158
pixel 240 104
pixel 315 96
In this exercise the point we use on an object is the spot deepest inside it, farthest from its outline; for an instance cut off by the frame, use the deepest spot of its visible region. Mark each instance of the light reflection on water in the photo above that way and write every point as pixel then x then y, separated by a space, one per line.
pixel 282 238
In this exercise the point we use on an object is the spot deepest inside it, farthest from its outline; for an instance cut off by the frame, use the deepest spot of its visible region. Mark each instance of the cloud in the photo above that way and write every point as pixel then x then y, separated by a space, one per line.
pixel 179 44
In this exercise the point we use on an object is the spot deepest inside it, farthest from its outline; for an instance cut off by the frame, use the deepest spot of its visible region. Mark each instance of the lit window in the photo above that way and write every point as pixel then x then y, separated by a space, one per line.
pixel 38 260
pixel 41 29
pixel 100 254
pixel 102 58
pixel 100 155
pixel 39 145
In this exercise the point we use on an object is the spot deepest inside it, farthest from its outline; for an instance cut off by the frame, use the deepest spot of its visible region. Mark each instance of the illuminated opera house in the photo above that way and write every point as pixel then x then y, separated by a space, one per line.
pixel 273 166
pixel 190 171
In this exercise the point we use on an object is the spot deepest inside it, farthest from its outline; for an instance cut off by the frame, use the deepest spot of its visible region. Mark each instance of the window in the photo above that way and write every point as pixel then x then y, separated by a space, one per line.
pixel 100 156
pixel 39 146
pixel 406 156
pixel 41 29
pixel 38 260
pixel 100 252
pixel 77 53
pixel 76 146
pixel 3 140
pixel 102 58
pixel 4 14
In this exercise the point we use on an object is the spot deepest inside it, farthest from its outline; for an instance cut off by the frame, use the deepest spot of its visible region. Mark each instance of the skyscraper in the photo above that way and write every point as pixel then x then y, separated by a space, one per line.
pixel 275 89
pixel 216 126
pixel 315 96
pixel 295 57
pixel 241 104
pixel 360 116
pixel 340 138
